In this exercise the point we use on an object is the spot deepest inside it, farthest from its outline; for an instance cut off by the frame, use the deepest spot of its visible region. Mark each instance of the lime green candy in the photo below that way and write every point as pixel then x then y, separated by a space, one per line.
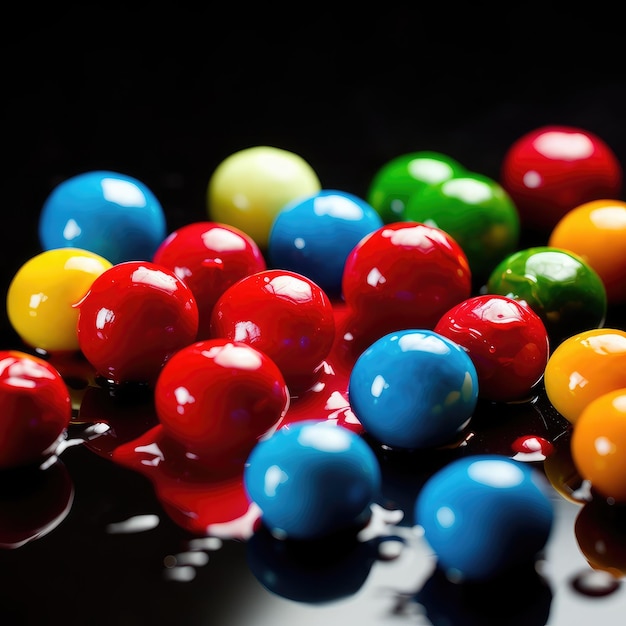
pixel 398 179
pixel 476 211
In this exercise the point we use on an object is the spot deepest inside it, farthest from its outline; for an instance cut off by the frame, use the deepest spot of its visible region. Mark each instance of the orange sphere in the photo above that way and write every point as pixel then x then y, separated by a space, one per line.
pixel 584 367
pixel 596 231
pixel 599 444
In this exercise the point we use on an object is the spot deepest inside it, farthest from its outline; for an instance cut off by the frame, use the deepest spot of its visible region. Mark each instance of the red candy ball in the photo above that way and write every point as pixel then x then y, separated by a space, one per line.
pixel 506 340
pixel 283 314
pixel 133 318
pixel 36 409
pixel 404 275
pixel 217 398
pixel 553 169
pixel 209 257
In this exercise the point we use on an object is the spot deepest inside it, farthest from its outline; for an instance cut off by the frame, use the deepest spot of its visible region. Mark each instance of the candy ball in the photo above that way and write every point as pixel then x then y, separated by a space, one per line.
pixel 506 340
pixel 312 479
pixel 111 214
pixel 283 314
pixel 134 317
pixel 217 398
pixel 36 409
pixel 561 287
pixel 483 515
pixel 413 389
pixel 43 293
pixel 596 231
pixel 404 175
pixel 314 236
pixel 404 275
pixel 249 187
pixel 209 257
pixel 476 211
pixel 552 169
pixel 585 367
pixel 599 444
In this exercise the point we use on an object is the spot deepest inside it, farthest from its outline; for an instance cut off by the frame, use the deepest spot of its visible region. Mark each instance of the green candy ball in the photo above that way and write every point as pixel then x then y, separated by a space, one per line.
pixel 403 176
pixel 560 286
pixel 477 212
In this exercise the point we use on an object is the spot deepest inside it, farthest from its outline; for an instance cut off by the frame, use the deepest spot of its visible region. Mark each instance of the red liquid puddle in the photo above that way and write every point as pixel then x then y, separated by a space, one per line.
pixel 205 500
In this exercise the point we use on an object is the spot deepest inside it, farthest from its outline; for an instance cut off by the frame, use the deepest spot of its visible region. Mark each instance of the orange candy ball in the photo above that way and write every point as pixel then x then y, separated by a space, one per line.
pixel 584 367
pixel 599 444
pixel 596 231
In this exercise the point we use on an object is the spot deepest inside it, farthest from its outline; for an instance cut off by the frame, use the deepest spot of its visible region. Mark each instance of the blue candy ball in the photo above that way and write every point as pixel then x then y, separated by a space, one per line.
pixel 311 479
pixel 483 515
pixel 314 235
pixel 110 214
pixel 413 389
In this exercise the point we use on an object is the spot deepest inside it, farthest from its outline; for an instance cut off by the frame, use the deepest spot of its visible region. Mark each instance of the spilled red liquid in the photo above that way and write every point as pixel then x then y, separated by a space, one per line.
pixel 200 499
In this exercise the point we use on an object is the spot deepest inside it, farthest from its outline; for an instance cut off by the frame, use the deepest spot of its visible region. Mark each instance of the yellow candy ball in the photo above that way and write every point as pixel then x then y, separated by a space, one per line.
pixel 249 188
pixel 42 294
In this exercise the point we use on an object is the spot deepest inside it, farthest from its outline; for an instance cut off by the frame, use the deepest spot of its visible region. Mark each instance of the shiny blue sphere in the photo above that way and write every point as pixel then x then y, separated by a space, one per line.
pixel 311 479
pixel 110 214
pixel 413 389
pixel 484 514
pixel 314 235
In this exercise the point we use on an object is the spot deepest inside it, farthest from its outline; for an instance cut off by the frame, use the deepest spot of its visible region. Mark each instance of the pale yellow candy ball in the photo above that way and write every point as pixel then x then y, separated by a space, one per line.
pixel 250 187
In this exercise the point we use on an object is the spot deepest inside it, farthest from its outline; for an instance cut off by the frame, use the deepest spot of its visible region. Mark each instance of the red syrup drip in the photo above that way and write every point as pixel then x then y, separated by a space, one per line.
pixel 202 500
pixel 532 448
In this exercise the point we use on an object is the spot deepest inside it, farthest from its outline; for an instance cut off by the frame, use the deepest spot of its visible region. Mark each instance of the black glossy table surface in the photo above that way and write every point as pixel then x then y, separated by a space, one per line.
pixel 165 101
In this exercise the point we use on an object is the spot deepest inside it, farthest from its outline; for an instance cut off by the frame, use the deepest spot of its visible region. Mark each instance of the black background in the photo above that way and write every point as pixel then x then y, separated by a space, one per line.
pixel 166 93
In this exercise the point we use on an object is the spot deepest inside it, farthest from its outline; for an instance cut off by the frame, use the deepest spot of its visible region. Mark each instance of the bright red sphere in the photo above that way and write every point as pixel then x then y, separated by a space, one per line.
pixel 553 169
pixel 506 340
pixel 36 409
pixel 209 257
pixel 133 318
pixel 217 398
pixel 283 314
pixel 404 275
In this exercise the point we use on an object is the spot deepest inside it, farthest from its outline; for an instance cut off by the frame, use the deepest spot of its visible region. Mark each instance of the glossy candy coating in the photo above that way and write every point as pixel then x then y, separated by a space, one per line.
pixel 111 214
pixel 561 287
pixel 217 398
pixel 36 409
pixel 43 293
pixel 249 187
pixel 209 257
pixel 404 175
pixel 484 514
pixel 413 389
pixel 506 340
pixel 134 317
pixel 476 211
pixel 552 169
pixel 312 479
pixel 283 314
pixel 599 444
pixel 314 235
pixel 596 231
pixel 585 367
pixel 405 275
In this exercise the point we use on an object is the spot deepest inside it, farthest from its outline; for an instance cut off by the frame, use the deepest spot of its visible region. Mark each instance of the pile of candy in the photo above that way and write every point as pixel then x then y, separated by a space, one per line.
pixel 299 327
